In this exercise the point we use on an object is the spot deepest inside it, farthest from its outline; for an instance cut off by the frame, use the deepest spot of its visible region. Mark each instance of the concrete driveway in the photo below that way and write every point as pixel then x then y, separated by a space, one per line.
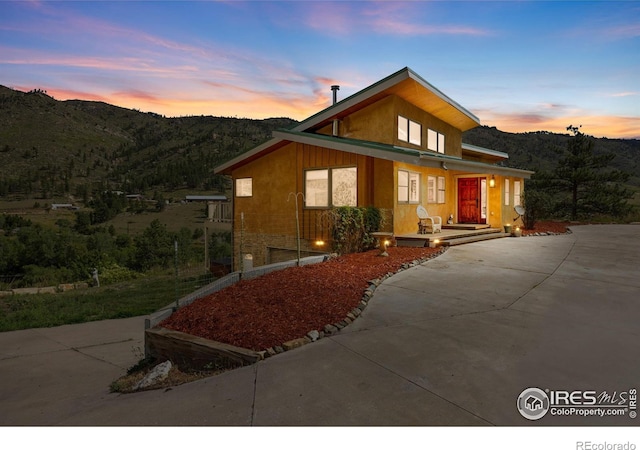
pixel 454 341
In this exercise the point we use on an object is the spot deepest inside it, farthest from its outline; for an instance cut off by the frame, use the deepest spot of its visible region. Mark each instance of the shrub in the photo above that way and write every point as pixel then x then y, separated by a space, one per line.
pixel 351 228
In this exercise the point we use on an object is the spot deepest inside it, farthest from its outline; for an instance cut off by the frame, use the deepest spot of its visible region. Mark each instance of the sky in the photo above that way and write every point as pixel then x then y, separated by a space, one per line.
pixel 518 65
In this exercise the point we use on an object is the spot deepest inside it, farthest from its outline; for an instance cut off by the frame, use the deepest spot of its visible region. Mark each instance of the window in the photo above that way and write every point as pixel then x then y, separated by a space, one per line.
pixel 441 190
pixel 408 187
pixel 435 141
pixel 516 193
pixel 506 192
pixel 409 131
pixel 344 187
pixel 431 189
pixel 316 188
pixel 340 182
pixel 244 187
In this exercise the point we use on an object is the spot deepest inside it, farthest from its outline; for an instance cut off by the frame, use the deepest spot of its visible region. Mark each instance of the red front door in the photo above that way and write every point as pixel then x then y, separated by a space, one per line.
pixel 468 200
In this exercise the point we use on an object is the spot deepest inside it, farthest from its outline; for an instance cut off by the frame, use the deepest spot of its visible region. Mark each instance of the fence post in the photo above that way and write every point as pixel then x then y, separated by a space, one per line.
pixel 175 247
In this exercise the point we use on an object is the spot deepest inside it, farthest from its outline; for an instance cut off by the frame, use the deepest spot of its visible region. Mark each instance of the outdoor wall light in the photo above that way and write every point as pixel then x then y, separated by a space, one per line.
pixel 492 181
pixel 319 243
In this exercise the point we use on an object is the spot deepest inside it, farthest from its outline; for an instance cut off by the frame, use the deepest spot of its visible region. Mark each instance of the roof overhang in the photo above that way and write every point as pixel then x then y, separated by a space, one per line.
pixel 380 151
pixel 483 152
pixel 407 85
pixel 248 156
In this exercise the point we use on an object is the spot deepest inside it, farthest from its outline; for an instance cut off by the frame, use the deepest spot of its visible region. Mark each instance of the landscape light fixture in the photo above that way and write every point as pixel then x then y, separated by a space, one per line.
pixel 492 181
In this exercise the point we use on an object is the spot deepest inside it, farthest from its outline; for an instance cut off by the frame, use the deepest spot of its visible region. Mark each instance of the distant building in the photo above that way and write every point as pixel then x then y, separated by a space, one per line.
pixel 68 206
pixel 218 206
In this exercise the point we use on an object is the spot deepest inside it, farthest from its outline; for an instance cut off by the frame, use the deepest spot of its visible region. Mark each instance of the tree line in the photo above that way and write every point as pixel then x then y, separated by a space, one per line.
pixel 36 255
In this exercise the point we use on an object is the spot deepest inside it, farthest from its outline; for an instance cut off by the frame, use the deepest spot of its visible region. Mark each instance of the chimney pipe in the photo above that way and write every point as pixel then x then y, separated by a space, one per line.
pixel 335 88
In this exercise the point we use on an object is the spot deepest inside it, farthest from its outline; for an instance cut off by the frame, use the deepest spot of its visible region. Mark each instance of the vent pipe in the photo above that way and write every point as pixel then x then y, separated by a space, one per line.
pixel 335 88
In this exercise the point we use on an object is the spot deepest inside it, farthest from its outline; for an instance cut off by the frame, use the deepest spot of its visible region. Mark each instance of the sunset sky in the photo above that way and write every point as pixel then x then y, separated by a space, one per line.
pixel 517 65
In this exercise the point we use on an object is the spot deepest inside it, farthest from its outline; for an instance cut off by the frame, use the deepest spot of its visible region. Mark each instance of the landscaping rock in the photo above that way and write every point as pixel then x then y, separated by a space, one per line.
pixel 330 329
pixel 157 374
pixel 294 343
pixel 314 335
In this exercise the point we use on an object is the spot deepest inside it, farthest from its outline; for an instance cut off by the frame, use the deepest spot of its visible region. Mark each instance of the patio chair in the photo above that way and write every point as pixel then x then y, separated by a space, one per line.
pixel 426 222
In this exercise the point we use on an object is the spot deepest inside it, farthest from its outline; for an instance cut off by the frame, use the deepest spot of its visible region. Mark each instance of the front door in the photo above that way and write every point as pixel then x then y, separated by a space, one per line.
pixel 469 200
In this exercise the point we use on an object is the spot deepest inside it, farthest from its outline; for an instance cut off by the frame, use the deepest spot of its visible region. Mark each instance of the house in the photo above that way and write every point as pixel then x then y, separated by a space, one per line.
pixel 533 403
pixel 394 145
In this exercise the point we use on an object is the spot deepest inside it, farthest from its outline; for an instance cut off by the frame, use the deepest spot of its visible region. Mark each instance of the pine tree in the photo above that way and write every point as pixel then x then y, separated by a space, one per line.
pixel 584 184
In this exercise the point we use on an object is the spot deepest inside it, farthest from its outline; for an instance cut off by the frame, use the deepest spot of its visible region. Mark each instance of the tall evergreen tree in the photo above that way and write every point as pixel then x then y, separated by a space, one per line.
pixel 583 182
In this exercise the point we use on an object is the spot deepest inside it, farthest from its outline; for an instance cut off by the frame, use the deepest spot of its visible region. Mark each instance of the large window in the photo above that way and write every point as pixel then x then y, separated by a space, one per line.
pixel 341 183
pixel 517 193
pixel 435 141
pixel 507 192
pixel 441 190
pixel 408 187
pixel 409 131
pixel 244 187
pixel 431 189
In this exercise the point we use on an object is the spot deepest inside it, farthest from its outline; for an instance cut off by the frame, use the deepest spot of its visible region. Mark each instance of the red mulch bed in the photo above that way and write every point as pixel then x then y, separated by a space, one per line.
pixel 547 227
pixel 284 305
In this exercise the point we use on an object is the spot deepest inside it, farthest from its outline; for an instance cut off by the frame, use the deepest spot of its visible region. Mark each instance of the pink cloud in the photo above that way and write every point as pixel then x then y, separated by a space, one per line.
pixel 385 18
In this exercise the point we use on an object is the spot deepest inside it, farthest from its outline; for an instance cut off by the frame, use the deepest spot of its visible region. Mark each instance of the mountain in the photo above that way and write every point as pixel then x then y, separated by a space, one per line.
pixel 541 150
pixel 51 148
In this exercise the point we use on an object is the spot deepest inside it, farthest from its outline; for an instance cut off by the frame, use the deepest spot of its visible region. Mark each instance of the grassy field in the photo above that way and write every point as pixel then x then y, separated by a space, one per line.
pixel 129 299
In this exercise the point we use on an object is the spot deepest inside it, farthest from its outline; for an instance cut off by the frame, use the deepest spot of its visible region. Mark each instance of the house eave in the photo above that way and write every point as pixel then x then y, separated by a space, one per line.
pixel 406 84
pixel 484 151
pixel 247 156
pixel 399 154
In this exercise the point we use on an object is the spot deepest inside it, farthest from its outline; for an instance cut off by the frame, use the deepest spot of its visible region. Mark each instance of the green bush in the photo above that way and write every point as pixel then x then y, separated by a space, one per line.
pixel 351 228
pixel 115 273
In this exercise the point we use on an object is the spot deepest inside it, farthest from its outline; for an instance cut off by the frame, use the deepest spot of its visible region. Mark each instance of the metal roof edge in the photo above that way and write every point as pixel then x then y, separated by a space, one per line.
pixel 353 99
pixel 442 95
pixel 376 88
pixel 255 150
pixel 485 151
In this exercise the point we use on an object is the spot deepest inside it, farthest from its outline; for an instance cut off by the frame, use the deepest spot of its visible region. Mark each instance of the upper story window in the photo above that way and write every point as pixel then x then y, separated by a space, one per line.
pixel 435 141
pixel 244 187
pixel 409 131
pixel 331 187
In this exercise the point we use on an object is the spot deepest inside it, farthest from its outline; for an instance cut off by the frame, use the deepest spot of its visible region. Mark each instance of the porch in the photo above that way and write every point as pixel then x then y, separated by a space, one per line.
pixel 451 234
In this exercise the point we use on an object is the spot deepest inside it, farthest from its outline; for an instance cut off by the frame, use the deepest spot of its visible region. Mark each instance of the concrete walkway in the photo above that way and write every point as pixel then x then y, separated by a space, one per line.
pixel 451 342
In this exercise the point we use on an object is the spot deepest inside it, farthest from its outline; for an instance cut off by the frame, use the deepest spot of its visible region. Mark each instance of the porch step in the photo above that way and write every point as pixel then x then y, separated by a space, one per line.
pixel 465 226
pixel 475 238
pixel 448 237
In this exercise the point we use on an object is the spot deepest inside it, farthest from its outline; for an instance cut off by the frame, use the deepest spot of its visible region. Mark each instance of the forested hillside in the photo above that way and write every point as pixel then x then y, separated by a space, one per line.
pixel 542 150
pixel 51 148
